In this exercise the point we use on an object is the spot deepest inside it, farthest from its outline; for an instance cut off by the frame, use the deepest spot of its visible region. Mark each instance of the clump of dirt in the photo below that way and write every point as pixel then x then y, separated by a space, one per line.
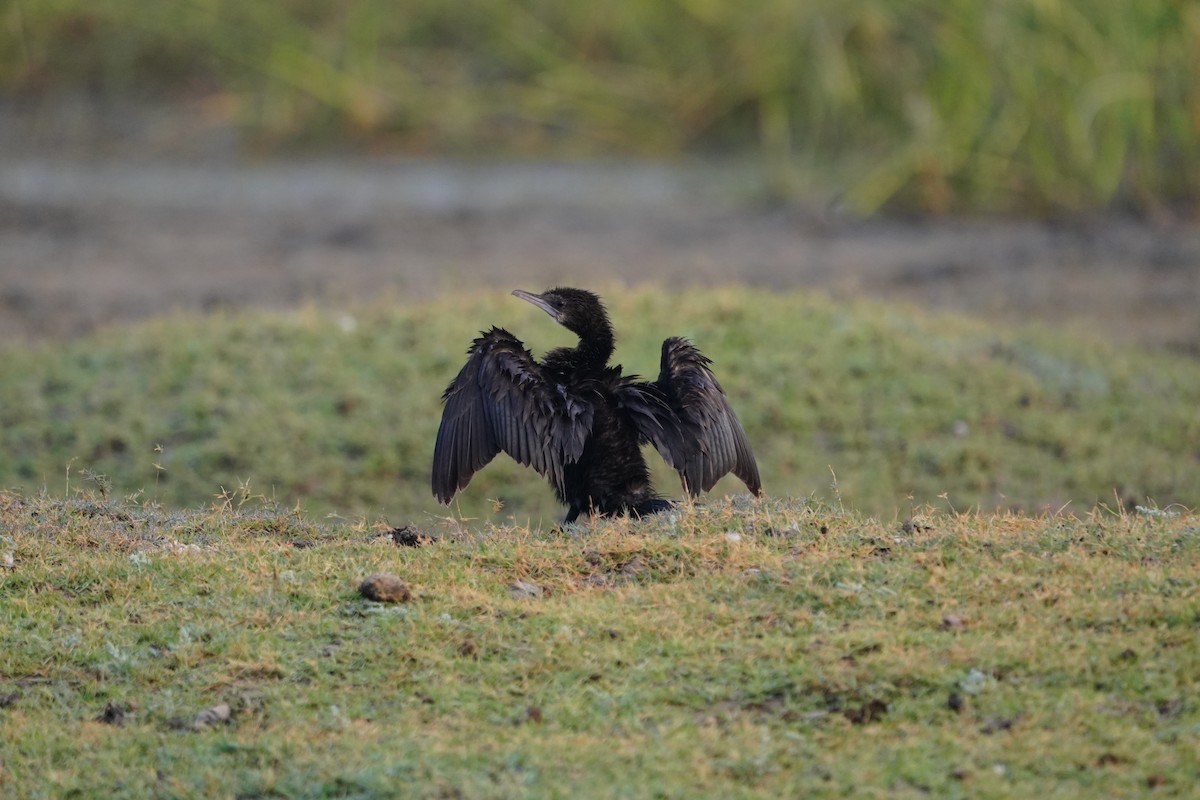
pixel 383 587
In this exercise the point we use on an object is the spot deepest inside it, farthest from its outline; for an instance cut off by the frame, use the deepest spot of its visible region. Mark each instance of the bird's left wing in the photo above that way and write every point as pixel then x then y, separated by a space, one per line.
pixel 710 441
pixel 501 400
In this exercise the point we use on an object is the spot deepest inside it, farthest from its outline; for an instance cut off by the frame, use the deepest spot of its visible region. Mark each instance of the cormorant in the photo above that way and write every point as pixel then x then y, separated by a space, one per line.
pixel 579 422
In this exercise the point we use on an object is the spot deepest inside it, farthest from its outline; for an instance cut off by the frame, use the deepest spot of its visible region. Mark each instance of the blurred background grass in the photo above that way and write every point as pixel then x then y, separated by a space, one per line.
pixel 1029 106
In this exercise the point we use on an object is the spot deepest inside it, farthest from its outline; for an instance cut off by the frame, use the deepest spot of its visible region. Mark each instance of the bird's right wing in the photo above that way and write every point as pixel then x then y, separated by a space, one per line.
pixel 502 400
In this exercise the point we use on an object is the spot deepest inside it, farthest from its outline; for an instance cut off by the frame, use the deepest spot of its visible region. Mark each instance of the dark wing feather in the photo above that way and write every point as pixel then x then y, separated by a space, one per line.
pixel 502 401
pixel 710 441
pixel 656 422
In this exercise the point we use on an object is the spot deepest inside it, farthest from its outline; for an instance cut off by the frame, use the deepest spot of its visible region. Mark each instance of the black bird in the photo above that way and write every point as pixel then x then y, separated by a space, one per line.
pixel 579 422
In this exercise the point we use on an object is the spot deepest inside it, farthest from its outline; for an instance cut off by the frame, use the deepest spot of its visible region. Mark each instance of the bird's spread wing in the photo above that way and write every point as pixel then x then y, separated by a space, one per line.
pixel 655 420
pixel 709 441
pixel 501 400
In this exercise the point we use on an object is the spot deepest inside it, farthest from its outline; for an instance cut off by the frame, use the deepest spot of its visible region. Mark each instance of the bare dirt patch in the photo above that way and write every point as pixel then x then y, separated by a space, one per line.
pixel 87 241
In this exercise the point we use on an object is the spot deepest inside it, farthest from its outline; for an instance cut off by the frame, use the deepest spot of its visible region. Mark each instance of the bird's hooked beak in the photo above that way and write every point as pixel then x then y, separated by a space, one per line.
pixel 537 300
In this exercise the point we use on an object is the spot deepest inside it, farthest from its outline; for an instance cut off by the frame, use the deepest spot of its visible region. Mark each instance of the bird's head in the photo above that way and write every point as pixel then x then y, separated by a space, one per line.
pixel 577 310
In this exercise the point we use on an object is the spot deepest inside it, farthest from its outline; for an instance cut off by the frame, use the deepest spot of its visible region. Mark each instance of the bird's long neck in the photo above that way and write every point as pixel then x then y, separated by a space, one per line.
pixel 595 343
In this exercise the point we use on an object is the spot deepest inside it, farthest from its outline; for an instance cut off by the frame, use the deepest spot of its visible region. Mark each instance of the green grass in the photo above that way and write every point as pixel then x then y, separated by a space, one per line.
pixel 881 408
pixel 859 639
pixel 1022 106
pixel 770 649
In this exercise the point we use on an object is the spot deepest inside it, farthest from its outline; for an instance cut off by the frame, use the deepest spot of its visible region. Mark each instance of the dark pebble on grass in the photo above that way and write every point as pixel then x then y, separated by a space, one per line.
pixel 532 714
pixel 870 711
pixel 1169 708
pixel 113 714
pixel 997 724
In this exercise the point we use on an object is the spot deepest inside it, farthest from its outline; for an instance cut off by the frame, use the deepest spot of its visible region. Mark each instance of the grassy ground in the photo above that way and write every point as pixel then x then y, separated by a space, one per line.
pixel 794 646
pixel 780 648
pixel 1020 106
pixel 882 408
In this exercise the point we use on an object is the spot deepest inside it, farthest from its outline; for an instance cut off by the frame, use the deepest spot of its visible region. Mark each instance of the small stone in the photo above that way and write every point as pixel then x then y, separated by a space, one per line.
pixel 953 622
pixel 521 589
pixel 633 567
pixel 995 724
pixel 212 716
pixel 383 587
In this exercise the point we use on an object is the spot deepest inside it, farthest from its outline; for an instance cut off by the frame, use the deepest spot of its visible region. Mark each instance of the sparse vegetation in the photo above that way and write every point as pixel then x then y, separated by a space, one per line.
pixel 780 648
pixel 951 105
